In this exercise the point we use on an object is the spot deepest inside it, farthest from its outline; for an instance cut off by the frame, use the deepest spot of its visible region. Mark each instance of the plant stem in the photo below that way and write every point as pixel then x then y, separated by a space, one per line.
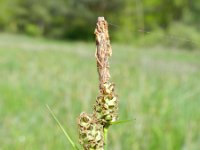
pixel 105 132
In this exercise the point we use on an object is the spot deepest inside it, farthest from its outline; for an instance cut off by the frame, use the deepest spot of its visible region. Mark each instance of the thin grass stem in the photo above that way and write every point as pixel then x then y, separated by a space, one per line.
pixel 105 131
pixel 62 128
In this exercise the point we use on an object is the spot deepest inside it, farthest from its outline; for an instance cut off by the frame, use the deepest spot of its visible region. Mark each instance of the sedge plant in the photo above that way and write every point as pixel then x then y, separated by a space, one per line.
pixel 93 128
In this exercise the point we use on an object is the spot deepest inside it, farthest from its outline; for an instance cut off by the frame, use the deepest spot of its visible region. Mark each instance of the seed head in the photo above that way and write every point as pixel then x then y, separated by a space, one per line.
pixel 90 132
pixel 106 104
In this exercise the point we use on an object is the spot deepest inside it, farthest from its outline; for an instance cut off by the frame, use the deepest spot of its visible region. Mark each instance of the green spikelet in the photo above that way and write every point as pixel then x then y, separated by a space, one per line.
pixel 90 132
pixel 106 105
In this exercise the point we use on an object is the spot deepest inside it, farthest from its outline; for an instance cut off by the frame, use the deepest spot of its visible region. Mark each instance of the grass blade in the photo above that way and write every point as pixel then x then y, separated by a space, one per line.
pixel 122 121
pixel 63 130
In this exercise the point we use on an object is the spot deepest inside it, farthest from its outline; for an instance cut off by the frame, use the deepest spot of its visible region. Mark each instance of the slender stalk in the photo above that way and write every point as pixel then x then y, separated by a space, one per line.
pixel 105 132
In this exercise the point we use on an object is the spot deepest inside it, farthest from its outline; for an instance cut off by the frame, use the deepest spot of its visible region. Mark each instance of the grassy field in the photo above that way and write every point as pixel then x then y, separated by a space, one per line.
pixel 158 88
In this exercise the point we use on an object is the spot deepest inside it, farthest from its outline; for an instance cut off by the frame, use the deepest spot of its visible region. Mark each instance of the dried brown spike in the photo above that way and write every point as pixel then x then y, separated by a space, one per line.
pixel 103 50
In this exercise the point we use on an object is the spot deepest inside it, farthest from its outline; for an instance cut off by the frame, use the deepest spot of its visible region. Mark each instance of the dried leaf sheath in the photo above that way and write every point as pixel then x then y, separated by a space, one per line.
pixel 103 51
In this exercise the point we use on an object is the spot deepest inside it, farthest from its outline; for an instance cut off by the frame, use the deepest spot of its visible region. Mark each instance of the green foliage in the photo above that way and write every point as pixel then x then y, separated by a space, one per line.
pixel 75 20
pixel 183 36
pixel 33 30
pixel 156 37
pixel 178 36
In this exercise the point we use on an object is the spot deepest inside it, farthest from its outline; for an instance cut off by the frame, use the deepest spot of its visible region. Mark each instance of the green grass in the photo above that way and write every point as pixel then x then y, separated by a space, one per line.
pixel 159 89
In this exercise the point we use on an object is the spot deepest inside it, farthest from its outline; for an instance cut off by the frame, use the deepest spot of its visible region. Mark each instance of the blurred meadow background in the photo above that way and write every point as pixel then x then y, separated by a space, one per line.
pixel 47 57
